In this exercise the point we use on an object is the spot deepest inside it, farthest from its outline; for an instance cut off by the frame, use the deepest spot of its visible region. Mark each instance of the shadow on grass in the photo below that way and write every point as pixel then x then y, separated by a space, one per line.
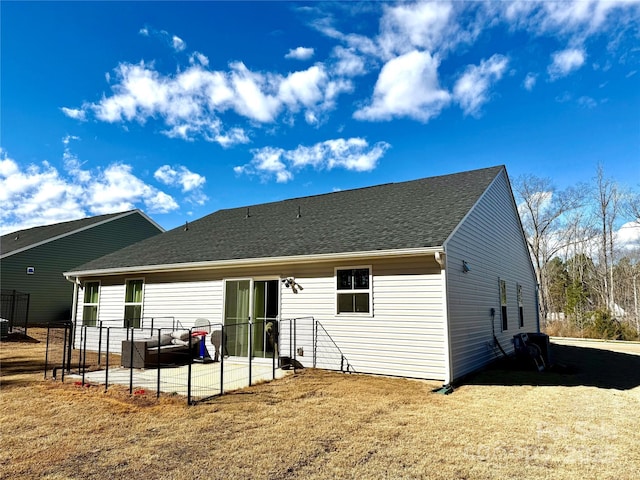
pixel 19 338
pixel 572 366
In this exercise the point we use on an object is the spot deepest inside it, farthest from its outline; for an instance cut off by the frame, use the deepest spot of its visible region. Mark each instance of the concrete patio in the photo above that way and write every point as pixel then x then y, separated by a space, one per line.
pixel 207 379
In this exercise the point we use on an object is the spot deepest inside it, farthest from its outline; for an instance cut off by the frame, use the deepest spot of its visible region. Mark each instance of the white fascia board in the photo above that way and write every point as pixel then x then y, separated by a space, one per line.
pixel 248 262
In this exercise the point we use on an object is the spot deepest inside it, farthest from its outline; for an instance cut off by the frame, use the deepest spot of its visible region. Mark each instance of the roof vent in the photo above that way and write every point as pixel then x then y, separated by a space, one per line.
pixel 17 237
pixel 299 214
pixel 186 226
pixel 248 214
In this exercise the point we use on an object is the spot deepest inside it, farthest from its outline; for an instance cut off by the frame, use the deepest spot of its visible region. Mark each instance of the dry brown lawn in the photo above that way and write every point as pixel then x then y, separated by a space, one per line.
pixel 580 422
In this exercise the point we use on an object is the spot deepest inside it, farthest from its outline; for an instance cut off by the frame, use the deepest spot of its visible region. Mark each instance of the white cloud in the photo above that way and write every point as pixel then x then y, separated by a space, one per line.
pixel 530 81
pixel 352 154
pixel 197 57
pixel 565 61
pixel 116 188
pixel 303 87
pixel 191 102
pixel 75 113
pixel 178 43
pixel 252 98
pixel 40 194
pixel 300 53
pixel 348 63
pixel 173 41
pixel 228 105
pixel 587 102
pixel 576 19
pixel 628 236
pixel 407 87
pixel 409 26
pixel 471 90
pixel 181 176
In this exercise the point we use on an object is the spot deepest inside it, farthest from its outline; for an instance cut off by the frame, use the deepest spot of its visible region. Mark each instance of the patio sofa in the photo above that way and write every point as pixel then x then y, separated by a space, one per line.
pixel 173 349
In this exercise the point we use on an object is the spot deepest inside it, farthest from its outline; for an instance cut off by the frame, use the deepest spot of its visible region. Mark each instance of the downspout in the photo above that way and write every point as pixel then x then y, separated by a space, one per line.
pixel 74 307
pixel 441 258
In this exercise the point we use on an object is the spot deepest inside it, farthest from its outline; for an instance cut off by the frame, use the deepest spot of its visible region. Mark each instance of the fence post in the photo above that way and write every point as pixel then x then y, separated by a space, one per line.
pixel 222 350
pixel 189 369
pixel 69 347
pixel 290 339
pixel 13 310
pixel 106 371
pixel 82 334
pixel 130 362
pixel 66 348
pixel 26 314
pixel 99 341
pixel 250 350
pixel 46 353
pixel 314 330
pixel 84 355
pixel 158 364
pixel 295 343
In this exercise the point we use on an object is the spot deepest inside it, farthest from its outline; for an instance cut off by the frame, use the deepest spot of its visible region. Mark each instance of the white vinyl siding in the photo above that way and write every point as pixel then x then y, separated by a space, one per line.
pixel 491 241
pixel 185 301
pixel 403 337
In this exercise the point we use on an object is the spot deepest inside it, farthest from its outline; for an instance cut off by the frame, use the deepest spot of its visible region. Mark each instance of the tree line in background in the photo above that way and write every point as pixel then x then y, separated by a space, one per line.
pixel 588 271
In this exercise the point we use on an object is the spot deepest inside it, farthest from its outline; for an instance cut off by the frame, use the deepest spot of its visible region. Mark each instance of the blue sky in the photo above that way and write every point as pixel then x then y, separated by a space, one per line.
pixel 181 109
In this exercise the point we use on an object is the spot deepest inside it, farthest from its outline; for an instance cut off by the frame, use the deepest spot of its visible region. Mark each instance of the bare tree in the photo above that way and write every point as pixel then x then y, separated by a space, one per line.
pixel 608 205
pixel 543 210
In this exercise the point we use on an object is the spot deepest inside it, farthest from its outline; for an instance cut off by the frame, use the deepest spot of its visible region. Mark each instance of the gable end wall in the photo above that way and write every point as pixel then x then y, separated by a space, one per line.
pixel 491 241
pixel 51 294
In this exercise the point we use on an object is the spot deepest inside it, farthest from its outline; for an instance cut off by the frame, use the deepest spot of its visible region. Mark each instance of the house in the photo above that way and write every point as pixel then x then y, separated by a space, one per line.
pixel 415 279
pixel 32 261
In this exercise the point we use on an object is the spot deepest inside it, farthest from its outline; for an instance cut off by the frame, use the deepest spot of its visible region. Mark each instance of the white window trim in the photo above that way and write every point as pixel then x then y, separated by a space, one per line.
pixel 369 291
pixel 504 306
pixel 520 301
pixel 129 304
pixel 84 304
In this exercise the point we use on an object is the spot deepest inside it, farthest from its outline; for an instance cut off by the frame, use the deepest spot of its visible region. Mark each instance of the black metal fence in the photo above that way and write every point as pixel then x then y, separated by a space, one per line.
pixel 200 362
pixel 14 307
pixel 58 353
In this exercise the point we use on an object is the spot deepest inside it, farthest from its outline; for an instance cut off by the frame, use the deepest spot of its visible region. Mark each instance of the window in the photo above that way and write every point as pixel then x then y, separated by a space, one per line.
pixel 90 305
pixel 503 304
pixel 133 303
pixel 520 306
pixel 353 289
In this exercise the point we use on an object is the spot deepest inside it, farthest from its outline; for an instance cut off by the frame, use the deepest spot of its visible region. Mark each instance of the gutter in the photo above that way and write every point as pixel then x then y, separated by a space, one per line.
pixel 249 262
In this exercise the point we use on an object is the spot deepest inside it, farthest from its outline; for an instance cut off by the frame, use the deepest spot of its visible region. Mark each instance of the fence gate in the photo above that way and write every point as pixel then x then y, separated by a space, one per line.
pixel 14 308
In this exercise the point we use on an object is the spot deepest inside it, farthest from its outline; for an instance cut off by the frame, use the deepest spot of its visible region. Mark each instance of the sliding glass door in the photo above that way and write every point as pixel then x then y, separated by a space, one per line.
pixel 236 317
pixel 265 315
pixel 255 301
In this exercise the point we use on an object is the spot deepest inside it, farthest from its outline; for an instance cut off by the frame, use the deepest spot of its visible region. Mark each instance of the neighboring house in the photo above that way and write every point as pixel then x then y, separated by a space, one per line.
pixel 414 279
pixel 33 260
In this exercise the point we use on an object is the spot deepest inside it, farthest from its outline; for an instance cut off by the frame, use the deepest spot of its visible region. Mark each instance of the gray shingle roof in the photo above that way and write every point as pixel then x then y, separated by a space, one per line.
pixel 415 214
pixel 23 239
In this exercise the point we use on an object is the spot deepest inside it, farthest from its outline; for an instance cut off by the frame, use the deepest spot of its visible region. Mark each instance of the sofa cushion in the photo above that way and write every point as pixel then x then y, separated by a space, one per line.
pixel 165 339
pixel 180 335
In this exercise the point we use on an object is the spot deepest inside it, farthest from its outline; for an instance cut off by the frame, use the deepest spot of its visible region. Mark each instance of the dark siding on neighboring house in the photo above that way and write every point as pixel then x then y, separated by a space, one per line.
pixel 51 294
